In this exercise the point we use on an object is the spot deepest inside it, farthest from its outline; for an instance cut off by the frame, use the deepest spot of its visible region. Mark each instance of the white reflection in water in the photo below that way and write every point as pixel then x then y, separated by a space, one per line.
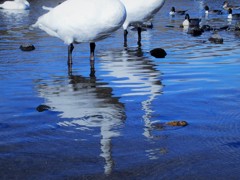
pixel 13 16
pixel 87 106
pixel 139 75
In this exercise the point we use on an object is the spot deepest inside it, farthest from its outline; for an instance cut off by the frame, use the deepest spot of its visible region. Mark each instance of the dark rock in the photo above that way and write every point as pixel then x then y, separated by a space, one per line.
pixel 158 53
pixel 216 38
pixel 42 108
pixel 27 47
pixel 177 123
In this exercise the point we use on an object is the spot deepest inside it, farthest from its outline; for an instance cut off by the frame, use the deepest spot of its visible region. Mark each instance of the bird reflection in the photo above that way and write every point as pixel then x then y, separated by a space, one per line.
pixel 12 17
pixel 138 75
pixel 86 103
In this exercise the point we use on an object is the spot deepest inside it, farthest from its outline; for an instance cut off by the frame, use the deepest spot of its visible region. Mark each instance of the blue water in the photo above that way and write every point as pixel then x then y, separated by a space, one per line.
pixel 99 124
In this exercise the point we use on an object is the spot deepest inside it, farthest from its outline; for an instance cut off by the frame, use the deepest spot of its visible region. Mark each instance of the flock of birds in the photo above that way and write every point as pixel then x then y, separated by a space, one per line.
pixel 78 21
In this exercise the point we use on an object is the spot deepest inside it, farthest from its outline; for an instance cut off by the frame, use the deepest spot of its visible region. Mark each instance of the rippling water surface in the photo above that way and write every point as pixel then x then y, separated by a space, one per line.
pixel 101 116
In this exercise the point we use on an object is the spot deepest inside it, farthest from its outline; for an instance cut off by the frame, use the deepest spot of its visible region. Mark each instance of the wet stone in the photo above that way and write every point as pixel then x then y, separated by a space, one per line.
pixel 158 53
pixel 42 108
pixel 216 38
pixel 27 47
pixel 177 123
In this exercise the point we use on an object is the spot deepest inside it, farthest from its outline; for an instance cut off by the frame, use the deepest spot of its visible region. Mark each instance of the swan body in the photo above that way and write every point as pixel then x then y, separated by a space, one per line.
pixel 15 5
pixel 47 8
pixel 78 21
pixel 140 11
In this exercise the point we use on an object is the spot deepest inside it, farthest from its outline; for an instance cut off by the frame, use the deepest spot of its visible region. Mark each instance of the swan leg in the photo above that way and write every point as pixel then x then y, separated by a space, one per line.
pixel 92 69
pixel 92 49
pixel 139 29
pixel 125 38
pixel 70 49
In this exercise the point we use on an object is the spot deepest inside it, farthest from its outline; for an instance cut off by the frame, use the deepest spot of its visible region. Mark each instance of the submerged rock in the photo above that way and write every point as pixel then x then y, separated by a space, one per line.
pixel 216 38
pixel 177 123
pixel 161 126
pixel 42 108
pixel 158 53
pixel 27 47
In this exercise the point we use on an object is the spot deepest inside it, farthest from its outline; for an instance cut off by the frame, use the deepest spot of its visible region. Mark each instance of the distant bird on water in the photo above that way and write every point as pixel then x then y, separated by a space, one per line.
pixel 15 5
pixel 79 21
pixel 227 6
pixel 214 11
pixel 193 22
pixel 179 12
pixel 138 12
pixel 233 16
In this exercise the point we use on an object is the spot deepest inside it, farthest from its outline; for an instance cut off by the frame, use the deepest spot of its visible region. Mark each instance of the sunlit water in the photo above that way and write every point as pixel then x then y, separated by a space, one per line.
pixel 99 124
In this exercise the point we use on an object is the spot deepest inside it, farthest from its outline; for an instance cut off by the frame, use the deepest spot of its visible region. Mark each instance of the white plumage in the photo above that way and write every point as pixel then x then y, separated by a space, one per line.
pixel 138 12
pixel 15 5
pixel 77 21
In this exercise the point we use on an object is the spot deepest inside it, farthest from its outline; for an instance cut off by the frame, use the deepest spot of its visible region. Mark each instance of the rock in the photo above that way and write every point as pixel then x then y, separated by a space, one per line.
pixel 27 47
pixel 158 53
pixel 42 108
pixel 177 123
pixel 216 38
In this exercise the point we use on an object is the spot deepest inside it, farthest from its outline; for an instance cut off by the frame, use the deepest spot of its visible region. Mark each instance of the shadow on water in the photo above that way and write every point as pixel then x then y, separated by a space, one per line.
pixel 85 104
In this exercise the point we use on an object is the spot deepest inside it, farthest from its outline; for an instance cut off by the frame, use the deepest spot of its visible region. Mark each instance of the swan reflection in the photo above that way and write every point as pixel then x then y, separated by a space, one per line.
pixel 137 80
pixel 137 75
pixel 86 103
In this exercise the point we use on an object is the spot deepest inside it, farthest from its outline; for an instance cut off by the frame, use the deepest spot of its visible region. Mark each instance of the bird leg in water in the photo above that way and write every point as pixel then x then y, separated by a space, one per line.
pixel 92 69
pixel 92 48
pixel 139 29
pixel 125 38
pixel 70 49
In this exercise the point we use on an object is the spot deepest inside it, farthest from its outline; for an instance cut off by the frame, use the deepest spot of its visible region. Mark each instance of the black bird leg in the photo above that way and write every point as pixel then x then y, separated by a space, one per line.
pixel 92 49
pixel 70 49
pixel 139 29
pixel 125 38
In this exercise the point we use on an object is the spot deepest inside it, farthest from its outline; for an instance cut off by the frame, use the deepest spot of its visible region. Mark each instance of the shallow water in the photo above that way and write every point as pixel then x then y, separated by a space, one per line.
pixel 99 124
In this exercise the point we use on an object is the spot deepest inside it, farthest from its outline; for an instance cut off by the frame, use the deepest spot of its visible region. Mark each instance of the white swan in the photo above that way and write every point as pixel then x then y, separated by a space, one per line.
pixel 15 5
pixel 77 21
pixel 138 12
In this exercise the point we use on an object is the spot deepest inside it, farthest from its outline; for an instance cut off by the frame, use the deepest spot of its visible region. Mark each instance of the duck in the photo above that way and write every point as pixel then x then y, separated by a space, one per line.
pixel 227 6
pixel 15 5
pixel 215 11
pixel 179 12
pixel 233 16
pixel 193 22
pixel 81 21
pixel 139 12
